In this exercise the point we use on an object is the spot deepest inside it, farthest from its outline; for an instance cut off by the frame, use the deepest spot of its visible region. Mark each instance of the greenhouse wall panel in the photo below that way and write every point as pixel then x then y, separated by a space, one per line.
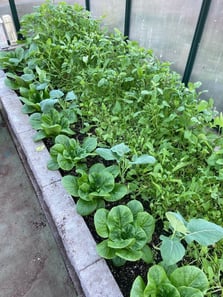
pixel 112 10
pixel 165 26
pixel 208 67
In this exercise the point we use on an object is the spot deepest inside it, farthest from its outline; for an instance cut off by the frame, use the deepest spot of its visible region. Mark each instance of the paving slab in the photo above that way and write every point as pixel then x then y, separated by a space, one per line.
pixel 30 263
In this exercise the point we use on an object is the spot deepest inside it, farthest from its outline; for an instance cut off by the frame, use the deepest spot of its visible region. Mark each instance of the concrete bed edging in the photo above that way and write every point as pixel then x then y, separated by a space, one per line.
pixel 88 271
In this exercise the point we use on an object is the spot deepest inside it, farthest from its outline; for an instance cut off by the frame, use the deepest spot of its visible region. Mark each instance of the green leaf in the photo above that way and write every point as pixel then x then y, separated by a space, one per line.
pixel 138 287
pixel 70 184
pixel 52 165
pixel 70 96
pixel 120 149
pixel 118 192
pixel 64 163
pixel 147 254
pixel 157 275
pixel 114 170
pixel 35 120
pixel 28 77
pixel 171 250
pixel 144 159
pixel 177 222
pixel 203 232
pixel 119 216
pixel 39 136
pixel 120 243
pixel 100 222
pixel 102 181
pixel 89 144
pixel 56 94
pixel 189 276
pixel 189 292
pixel 47 104
pixel 129 255
pixel 104 251
pixel 147 223
pixel 85 208
pixel 106 154
pixel 135 207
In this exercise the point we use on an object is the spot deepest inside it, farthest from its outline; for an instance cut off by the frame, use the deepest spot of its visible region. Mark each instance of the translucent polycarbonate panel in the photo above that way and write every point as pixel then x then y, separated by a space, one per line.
pixel 112 10
pixel 166 26
pixel 208 67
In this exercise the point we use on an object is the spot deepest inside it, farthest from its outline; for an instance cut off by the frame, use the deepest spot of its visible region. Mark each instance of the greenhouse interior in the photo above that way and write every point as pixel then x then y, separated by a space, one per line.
pixel 111 120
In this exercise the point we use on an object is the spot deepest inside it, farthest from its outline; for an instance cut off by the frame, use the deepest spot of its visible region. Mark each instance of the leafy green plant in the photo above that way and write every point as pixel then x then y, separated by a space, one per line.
pixel 119 153
pixel 199 230
pixel 95 187
pixel 13 60
pixel 53 123
pixel 186 281
pixel 67 152
pixel 127 230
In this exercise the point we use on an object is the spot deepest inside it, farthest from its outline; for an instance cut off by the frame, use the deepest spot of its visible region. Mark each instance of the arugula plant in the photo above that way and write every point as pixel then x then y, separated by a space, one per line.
pixel 95 187
pixel 119 153
pixel 126 229
pixel 53 123
pixel 199 230
pixel 186 281
pixel 67 152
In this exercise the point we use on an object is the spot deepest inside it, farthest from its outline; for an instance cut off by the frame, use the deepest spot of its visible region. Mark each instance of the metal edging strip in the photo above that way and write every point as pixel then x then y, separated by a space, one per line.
pixel 196 40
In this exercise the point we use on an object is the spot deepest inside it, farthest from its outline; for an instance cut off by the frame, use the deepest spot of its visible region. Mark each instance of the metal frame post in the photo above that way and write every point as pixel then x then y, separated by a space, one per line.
pixel 196 40
pixel 14 14
pixel 128 6
pixel 88 5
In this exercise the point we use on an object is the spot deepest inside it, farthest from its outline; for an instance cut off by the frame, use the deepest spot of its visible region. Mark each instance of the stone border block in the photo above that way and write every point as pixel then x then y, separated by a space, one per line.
pixel 71 233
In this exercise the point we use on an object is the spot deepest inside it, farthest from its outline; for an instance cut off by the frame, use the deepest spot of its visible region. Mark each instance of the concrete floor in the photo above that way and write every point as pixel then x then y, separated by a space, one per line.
pixel 30 263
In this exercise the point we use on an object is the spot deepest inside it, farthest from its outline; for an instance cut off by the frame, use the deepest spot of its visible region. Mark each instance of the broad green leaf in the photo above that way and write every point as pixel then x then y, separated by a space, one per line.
pixel 144 159
pixel 85 208
pixel 129 255
pixel 52 165
pixel 62 140
pixel 104 251
pixel 56 94
pixel 189 292
pixel 177 222
pixel 28 77
pixel 171 250
pixel 135 207
pixel 120 149
pixel 51 130
pixel 114 170
pixel 35 121
pixel 118 192
pixel 147 223
pixel 168 290
pixel 120 243
pixel 65 164
pixel 98 167
pixel 70 184
pixel 39 136
pixel 119 217
pixel 47 104
pixel 70 96
pixel 100 222
pixel 189 276
pixel 203 232
pixel 147 254
pixel 138 287
pixel 89 144
pixel 157 275
pixel 102 181
pixel 140 239
pixel 106 154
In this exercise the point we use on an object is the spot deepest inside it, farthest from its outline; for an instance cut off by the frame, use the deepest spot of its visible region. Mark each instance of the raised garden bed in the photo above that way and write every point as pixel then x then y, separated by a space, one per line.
pixel 134 146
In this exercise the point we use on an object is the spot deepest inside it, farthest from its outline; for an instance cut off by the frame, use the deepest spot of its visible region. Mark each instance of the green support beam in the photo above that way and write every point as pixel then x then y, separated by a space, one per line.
pixel 196 40
pixel 14 15
pixel 128 6
pixel 87 5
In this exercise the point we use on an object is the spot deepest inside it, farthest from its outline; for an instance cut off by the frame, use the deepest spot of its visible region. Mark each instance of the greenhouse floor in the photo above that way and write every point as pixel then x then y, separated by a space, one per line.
pixel 30 262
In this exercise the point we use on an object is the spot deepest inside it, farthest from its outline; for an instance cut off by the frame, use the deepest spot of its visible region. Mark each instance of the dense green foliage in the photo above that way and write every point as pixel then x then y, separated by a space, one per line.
pixel 80 82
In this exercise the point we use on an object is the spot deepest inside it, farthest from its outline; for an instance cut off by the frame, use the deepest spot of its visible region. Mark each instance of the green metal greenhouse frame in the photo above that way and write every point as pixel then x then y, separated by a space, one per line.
pixel 199 28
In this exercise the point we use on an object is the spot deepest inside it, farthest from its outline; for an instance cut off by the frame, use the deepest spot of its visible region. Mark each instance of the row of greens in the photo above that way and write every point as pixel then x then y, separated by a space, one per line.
pixel 135 146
